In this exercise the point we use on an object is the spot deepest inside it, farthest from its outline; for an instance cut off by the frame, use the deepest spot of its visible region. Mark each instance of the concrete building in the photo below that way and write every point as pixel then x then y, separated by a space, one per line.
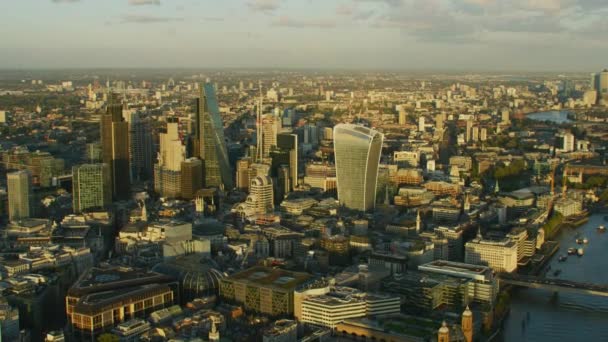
pixel 91 187
pixel 341 303
pixel 167 170
pixel 19 184
pixel 104 298
pixel 263 290
pixel 500 255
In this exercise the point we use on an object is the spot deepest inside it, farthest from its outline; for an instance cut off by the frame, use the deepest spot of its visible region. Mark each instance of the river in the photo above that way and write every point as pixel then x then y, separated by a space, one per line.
pixel 566 317
pixel 556 116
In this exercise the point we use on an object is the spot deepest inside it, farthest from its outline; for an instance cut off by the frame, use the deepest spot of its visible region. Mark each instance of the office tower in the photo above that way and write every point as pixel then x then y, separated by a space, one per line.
pixel 270 127
pixel 167 171
pixel 91 187
pixel 115 149
pixel 286 153
pixel 141 147
pixel 483 134
pixel 192 177
pixel 261 195
pixel 475 133
pixel 94 153
pixel 19 186
pixel 357 152
pixel 439 122
pixel 242 174
pixel 283 183
pixel 421 124
pixel 402 117
pixel 211 141
pixel 564 142
pixel 469 129
pixel 505 117
pixel 257 169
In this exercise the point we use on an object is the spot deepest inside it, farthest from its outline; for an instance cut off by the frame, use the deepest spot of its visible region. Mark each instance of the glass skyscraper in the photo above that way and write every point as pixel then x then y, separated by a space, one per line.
pixel 357 150
pixel 115 149
pixel 210 138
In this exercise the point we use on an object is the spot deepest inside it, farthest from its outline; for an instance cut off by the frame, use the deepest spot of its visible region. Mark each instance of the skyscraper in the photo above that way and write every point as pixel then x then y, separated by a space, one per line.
pixel 357 150
pixel 192 177
pixel 91 187
pixel 286 153
pixel 19 184
pixel 167 171
pixel 141 149
pixel 210 139
pixel 270 128
pixel 115 149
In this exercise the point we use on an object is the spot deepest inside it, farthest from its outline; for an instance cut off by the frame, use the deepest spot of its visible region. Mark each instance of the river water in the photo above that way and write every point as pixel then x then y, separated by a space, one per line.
pixel 556 116
pixel 567 316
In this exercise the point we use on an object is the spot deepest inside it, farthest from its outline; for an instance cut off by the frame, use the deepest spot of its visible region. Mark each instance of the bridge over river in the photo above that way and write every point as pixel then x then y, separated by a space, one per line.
pixel 555 285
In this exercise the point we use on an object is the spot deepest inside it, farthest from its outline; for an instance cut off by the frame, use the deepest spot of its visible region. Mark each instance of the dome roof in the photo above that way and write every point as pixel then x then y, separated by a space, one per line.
pixel 195 274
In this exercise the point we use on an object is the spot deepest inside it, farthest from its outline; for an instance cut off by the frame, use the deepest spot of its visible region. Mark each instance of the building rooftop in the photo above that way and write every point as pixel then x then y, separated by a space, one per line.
pixel 272 277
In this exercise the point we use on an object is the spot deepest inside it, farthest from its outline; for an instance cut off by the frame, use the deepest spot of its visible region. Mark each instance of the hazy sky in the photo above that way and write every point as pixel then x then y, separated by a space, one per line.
pixel 568 35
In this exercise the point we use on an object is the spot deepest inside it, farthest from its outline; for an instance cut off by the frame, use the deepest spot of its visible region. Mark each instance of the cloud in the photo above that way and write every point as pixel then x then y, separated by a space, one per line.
pixel 264 5
pixel 285 21
pixel 144 2
pixel 64 1
pixel 144 19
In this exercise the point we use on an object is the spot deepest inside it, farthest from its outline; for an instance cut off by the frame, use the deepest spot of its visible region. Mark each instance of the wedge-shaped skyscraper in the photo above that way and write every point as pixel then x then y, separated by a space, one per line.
pixel 357 149
pixel 211 141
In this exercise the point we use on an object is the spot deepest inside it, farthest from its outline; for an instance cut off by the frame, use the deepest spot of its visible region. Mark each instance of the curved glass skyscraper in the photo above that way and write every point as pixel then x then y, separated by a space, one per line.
pixel 357 149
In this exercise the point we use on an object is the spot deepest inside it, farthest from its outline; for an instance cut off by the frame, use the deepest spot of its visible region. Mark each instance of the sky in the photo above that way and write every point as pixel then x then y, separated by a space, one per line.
pixel 484 35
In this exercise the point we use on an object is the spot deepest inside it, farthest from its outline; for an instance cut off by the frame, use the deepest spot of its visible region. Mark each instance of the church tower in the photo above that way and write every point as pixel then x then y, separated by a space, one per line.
pixel 467 325
pixel 443 335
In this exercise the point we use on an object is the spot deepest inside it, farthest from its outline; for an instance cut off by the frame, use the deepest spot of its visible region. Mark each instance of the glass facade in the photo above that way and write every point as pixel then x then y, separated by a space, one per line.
pixel 212 142
pixel 357 150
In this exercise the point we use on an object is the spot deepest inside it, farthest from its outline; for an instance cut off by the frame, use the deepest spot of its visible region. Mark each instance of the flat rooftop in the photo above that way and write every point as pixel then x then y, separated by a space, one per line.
pixel 97 280
pixel 271 277
pixel 456 266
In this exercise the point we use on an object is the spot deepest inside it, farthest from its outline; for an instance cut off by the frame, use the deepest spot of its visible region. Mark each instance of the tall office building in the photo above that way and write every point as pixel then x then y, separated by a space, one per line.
pixel 261 195
pixel 439 122
pixel 209 136
pixel 167 171
pixel 19 184
pixel 242 174
pixel 357 151
pixel 91 187
pixel 192 177
pixel 141 149
pixel 270 127
pixel 115 149
pixel 286 153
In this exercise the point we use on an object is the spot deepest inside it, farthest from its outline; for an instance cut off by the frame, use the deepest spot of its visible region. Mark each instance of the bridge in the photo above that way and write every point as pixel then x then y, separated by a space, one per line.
pixel 555 285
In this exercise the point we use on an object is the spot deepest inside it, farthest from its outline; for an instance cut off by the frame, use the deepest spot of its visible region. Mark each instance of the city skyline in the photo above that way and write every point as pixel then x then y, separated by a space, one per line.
pixel 540 35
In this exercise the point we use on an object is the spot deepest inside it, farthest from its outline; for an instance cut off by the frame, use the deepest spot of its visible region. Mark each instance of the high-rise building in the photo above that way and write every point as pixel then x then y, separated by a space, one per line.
pixel 439 122
pixel 167 171
pixel 421 124
pixel 242 174
pixel 357 152
pixel 91 187
pixel 94 153
pixel 261 195
pixel 141 149
pixel 600 83
pixel 286 153
pixel 211 142
pixel 192 177
pixel 115 149
pixel 402 117
pixel 19 184
pixel 270 127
